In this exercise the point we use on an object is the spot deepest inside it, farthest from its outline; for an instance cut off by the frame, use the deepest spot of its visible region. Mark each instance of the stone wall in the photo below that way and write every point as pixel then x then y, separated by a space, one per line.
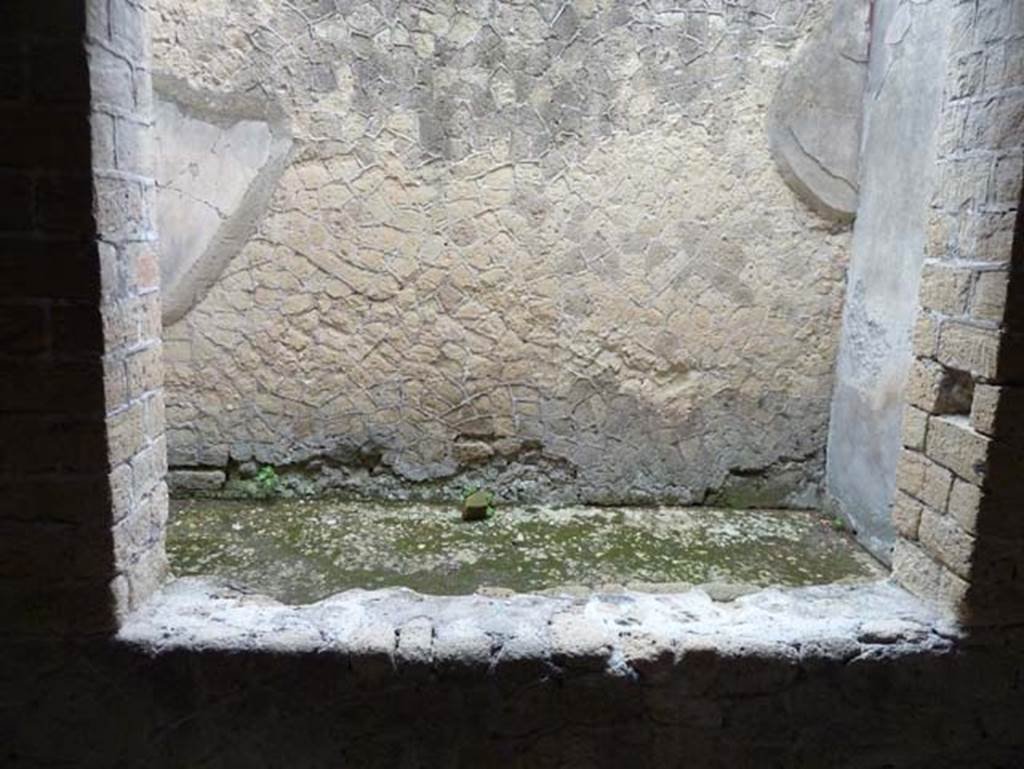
pixel 202 675
pixel 958 506
pixel 82 460
pixel 123 211
pixel 539 245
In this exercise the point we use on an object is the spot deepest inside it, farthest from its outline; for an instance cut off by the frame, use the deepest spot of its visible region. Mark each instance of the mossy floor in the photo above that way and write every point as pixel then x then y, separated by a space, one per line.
pixel 301 551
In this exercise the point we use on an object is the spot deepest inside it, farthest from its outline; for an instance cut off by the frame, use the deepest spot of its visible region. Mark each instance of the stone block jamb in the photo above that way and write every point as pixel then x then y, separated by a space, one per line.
pixel 958 509
pixel 118 48
pixel 83 461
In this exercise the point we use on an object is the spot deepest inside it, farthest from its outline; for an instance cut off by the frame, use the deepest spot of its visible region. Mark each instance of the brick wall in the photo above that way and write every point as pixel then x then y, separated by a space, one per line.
pixel 961 473
pixel 122 124
pixel 81 450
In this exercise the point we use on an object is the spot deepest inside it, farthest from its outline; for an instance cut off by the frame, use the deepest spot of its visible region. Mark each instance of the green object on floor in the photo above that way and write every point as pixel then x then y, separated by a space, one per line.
pixel 477 505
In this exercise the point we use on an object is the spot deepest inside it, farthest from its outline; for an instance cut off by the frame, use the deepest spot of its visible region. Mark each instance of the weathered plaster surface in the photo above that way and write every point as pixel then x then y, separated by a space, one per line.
pixel 218 160
pixel 903 100
pixel 538 245
pixel 816 115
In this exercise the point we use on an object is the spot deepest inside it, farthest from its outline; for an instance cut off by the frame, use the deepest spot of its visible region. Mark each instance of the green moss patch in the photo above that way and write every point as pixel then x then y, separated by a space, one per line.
pixel 303 550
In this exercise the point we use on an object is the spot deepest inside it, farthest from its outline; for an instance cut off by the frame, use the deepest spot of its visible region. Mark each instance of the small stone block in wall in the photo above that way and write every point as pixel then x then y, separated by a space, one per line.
pixel 131 321
pixel 1009 170
pixel 925 577
pixel 195 481
pixel 140 532
pixel 965 74
pixel 1005 116
pixel 128 31
pixel 989 299
pixel 906 514
pixel 122 209
pixel 125 435
pixel 923 384
pixel 926 335
pixel 953 444
pixel 964 504
pixel 134 150
pixel 969 348
pixel 149 572
pixel 939 234
pixel 923 479
pixel 153 415
pixel 149 467
pixel 915 428
pixel 121 492
pixel 983 408
pixel 944 288
pixel 986 237
pixel 963 183
pixel 999 412
pixel 103 141
pixel 989 513
pixel 937 389
pixel 144 267
pixel 950 135
pixel 144 370
pixel 944 539
pixel 112 86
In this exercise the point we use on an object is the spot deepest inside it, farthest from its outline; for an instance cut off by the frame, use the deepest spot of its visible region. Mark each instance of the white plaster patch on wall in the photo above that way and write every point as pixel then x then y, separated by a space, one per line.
pixel 204 171
pixel 816 114
pixel 215 171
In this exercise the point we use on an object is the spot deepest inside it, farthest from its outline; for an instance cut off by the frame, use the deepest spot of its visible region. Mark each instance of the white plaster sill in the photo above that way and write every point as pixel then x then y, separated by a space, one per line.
pixel 623 633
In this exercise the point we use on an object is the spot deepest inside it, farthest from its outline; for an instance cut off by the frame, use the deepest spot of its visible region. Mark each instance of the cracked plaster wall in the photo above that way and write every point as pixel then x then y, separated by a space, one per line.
pixel 816 115
pixel 539 244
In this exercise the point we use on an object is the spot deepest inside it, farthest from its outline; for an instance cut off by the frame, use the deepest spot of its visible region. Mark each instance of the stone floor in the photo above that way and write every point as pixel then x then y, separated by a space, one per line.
pixel 300 551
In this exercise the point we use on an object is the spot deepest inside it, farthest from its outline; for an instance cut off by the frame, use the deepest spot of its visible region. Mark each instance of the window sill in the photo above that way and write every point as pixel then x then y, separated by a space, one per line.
pixel 632 635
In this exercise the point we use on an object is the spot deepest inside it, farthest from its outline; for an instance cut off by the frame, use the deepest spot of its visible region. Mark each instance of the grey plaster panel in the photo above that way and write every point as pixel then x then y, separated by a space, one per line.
pixel 904 92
